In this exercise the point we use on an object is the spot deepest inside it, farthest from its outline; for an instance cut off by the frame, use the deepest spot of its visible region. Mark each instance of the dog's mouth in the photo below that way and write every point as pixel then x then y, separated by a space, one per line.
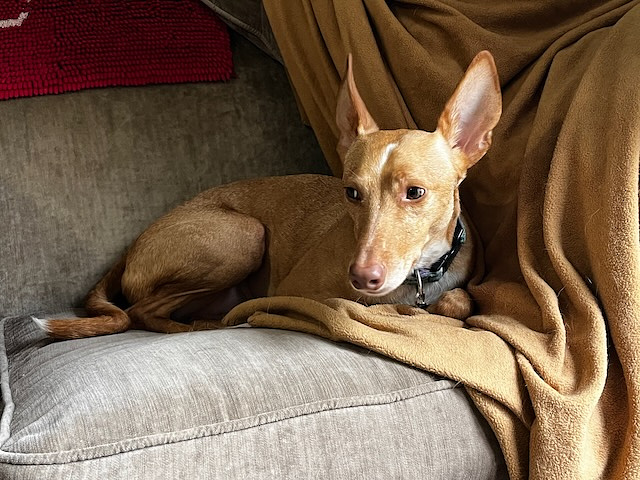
pixel 374 293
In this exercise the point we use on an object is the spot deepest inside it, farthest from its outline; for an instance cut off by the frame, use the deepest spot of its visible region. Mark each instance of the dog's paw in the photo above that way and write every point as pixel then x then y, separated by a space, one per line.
pixel 454 303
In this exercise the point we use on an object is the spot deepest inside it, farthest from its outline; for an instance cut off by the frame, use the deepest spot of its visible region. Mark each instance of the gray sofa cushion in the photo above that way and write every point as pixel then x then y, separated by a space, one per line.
pixel 234 403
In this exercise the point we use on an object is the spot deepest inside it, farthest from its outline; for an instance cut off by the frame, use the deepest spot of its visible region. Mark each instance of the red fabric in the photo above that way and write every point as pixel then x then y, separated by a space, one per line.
pixel 49 46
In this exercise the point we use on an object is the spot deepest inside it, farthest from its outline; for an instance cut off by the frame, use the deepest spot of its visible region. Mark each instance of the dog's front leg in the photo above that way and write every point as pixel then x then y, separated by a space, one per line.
pixel 454 303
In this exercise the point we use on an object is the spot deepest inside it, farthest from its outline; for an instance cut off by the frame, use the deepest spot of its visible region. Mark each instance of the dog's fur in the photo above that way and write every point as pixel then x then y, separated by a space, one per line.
pixel 310 235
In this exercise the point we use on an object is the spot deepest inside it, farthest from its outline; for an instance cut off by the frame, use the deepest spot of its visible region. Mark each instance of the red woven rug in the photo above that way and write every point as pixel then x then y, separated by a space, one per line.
pixel 55 46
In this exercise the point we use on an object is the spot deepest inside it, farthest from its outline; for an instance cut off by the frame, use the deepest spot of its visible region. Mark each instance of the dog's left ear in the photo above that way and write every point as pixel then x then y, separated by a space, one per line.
pixel 352 116
pixel 473 111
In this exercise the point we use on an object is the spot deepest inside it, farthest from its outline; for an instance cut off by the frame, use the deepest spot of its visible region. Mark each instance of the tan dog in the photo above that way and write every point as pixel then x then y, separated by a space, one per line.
pixel 387 233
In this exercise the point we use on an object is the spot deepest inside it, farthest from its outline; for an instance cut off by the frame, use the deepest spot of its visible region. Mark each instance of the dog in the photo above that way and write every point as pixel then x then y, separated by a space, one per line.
pixel 390 231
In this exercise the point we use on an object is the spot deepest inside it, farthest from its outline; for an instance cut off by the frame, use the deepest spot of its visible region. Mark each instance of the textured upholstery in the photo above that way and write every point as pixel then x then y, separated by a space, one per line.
pixel 248 18
pixel 236 403
pixel 82 174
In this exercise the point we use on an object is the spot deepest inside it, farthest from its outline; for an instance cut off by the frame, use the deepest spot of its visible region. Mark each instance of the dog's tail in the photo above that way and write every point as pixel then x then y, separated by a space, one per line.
pixel 104 317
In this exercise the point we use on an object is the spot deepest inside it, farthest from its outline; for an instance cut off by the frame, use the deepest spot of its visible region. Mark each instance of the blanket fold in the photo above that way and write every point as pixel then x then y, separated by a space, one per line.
pixel 550 359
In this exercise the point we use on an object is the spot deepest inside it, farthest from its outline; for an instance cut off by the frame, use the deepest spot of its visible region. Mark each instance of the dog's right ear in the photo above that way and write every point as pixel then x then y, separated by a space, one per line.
pixel 352 117
pixel 473 111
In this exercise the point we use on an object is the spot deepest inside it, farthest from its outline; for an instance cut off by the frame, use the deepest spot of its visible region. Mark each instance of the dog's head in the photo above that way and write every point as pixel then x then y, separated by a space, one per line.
pixel 401 186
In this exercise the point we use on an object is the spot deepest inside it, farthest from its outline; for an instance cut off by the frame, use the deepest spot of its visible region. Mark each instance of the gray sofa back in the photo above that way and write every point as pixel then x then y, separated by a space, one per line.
pixel 82 174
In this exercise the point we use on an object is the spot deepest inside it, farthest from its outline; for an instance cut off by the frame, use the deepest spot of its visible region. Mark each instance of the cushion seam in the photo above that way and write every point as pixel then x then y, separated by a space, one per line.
pixel 220 428
pixel 5 388
pixel 237 22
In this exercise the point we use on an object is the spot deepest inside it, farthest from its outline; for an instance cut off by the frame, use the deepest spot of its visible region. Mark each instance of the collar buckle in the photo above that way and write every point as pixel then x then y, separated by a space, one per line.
pixel 435 272
pixel 420 295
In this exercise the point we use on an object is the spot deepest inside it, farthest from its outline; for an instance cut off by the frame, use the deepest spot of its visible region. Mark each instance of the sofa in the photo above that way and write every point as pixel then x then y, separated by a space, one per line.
pixel 81 175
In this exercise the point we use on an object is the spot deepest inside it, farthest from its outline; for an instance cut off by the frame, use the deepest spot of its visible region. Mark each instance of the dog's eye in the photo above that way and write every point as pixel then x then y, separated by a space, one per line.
pixel 352 194
pixel 414 193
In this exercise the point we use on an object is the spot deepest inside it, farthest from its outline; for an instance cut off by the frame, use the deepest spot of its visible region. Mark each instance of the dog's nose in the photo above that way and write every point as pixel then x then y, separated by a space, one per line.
pixel 367 277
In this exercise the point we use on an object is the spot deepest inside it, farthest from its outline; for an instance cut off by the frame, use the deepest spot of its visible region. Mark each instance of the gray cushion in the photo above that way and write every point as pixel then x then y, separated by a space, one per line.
pixel 234 403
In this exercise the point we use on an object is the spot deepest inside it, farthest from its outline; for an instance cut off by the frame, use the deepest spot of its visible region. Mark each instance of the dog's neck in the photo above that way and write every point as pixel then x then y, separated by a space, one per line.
pixel 436 270
pixel 423 277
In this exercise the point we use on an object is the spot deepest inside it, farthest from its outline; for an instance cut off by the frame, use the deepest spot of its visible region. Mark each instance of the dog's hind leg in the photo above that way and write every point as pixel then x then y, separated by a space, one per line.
pixel 191 263
pixel 154 312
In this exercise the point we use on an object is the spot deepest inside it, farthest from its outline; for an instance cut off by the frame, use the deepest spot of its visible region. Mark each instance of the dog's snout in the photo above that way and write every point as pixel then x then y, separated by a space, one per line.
pixel 367 277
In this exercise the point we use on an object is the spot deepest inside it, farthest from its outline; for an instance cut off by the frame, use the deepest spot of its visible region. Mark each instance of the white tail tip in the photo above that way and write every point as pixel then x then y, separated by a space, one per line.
pixel 42 323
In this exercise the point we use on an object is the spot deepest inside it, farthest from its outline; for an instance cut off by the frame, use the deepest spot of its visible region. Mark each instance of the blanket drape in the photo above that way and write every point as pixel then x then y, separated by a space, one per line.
pixel 551 358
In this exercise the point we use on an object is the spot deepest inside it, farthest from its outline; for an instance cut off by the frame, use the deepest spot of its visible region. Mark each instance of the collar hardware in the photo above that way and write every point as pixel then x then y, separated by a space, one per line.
pixel 435 272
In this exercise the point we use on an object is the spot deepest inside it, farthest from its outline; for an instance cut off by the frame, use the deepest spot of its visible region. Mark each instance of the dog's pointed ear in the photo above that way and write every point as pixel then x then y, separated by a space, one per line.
pixel 473 111
pixel 352 116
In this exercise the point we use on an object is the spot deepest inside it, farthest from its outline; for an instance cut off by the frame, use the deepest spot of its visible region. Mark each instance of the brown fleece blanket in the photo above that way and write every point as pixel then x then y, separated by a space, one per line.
pixel 551 358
